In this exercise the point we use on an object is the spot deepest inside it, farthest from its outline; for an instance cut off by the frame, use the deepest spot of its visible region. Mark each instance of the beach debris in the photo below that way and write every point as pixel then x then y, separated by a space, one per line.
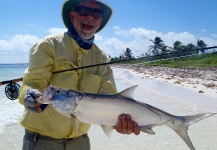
pixel 200 91
pixel 195 75
pixel 169 78
pixel 210 85
pixel 177 82
pixel 104 110
pixel 197 82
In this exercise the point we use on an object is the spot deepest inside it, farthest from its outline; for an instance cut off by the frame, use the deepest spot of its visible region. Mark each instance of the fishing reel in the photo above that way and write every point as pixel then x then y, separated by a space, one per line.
pixel 12 90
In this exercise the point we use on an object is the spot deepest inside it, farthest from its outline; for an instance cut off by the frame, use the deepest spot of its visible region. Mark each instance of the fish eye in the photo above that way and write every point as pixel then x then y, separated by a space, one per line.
pixel 57 91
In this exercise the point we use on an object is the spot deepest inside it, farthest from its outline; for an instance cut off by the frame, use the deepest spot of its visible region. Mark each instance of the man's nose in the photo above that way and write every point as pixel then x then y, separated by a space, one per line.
pixel 90 16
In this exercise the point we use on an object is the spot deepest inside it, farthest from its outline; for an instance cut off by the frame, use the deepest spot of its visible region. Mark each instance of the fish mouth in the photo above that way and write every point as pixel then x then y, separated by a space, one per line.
pixel 47 95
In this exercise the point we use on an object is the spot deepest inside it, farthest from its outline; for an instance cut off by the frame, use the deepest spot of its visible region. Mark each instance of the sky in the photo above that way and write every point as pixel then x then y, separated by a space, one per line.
pixel 132 25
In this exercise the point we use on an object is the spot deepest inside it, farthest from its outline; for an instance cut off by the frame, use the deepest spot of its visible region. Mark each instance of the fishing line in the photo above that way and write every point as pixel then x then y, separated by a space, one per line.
pixel 12 87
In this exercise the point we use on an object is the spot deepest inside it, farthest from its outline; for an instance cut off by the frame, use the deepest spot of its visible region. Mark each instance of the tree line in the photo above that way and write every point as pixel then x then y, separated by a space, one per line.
pixel 159 48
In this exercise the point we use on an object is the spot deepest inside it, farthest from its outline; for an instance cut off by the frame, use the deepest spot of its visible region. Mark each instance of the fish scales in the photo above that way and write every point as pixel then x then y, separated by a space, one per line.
pixel 91 108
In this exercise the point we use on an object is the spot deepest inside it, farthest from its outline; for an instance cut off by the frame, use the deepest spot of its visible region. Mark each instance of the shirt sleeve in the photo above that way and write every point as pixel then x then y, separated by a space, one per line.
pixel 40 68
pixel 108 83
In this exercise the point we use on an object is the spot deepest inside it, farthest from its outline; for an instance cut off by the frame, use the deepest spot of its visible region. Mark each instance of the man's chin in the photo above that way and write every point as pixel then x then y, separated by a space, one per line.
pixel 86 36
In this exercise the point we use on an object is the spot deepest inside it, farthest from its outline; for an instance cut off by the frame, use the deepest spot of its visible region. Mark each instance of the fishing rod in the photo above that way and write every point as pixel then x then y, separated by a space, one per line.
pixel 12 87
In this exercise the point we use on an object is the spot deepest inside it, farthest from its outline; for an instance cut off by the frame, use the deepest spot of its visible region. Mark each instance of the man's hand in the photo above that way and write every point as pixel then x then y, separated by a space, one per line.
pixel 30 101
pixel 126 125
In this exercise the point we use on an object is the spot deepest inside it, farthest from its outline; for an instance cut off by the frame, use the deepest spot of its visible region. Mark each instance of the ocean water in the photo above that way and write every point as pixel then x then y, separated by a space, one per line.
pixel 9 110
pixel 173 99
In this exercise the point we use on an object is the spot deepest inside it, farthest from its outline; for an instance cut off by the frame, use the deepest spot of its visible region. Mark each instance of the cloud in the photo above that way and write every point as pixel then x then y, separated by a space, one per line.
pixel 112 46
pixel 203 30
pixel 17 44
pixel 183 37
pixel 209 41
pixel 121 32
pixel 137 39
pixel 56 30
pixel 31 25
pixel 214 35
pixel 140 40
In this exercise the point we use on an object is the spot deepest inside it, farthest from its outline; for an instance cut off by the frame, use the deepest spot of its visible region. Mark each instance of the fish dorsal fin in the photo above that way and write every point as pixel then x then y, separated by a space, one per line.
pixel 128 92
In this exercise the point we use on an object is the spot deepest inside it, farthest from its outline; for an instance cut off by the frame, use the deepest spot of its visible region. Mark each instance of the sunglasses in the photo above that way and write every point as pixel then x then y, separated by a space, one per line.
pixel 85 11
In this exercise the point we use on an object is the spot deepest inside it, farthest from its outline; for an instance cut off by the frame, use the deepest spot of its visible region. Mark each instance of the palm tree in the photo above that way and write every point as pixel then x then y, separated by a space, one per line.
pixel 156 47
pixel 201 44
pixel 177 48
pixel 177 45
pixel 128 53
pixel 164 48
pixel 190 47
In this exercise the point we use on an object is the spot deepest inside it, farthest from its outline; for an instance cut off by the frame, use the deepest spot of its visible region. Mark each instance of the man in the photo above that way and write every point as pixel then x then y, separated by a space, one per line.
pixel 44 127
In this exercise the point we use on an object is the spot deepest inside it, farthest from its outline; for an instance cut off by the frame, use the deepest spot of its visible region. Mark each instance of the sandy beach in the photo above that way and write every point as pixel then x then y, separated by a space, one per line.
pixel 171 90
pixel 200 80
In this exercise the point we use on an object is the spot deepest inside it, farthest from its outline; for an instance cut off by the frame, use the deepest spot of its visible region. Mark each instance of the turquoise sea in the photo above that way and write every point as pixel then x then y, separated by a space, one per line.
pixel 173 99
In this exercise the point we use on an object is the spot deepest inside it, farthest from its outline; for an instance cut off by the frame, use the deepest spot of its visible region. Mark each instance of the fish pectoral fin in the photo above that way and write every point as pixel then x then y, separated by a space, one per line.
pixel 107 130
pixel 147 129
pixel 75 124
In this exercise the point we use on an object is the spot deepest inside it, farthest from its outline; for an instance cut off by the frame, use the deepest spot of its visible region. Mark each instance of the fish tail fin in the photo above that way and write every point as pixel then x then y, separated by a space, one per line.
pixel 184 122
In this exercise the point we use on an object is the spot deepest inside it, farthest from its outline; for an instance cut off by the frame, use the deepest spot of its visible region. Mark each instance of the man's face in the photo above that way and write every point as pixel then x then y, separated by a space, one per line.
pixel 86 26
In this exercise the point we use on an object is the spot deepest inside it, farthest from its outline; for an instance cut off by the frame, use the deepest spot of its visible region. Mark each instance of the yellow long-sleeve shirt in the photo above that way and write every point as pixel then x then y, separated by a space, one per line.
pixel 61 52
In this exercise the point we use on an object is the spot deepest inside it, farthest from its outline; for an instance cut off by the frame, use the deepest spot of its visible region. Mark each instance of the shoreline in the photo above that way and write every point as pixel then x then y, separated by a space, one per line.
pixel 12 132
pixel 199 80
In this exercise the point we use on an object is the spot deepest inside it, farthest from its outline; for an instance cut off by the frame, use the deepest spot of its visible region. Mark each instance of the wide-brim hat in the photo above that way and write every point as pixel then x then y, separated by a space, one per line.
pixel 68 6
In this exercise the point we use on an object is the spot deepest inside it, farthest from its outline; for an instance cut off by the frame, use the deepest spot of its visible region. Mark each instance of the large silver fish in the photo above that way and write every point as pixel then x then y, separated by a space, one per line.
pixel 104 110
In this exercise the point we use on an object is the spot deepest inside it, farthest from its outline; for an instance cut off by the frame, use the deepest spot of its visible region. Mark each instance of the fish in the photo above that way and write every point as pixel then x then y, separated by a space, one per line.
pixel 104 110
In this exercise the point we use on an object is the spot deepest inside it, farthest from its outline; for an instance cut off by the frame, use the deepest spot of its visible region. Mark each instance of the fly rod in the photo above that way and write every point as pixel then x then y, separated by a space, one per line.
pixel 12 87
pixel 11 81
